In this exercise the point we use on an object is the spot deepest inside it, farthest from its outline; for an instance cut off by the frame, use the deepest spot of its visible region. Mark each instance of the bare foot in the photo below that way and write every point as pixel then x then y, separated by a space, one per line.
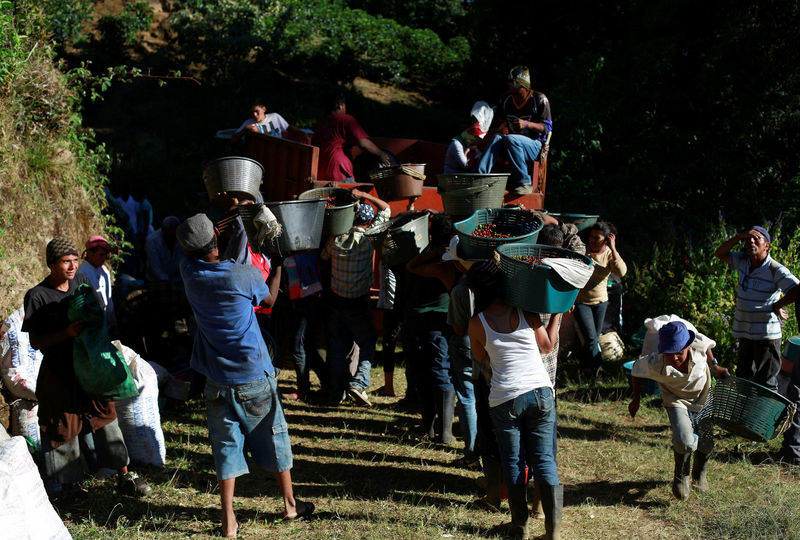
pixel 302 509
pixel 230 528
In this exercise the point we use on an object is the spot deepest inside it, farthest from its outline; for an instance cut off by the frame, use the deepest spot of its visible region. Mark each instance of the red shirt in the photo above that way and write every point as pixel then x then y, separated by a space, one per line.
pixel 333 135
pixel 262 263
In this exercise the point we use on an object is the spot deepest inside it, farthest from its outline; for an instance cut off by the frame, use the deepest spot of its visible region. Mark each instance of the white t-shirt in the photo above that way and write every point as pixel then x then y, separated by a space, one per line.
pixel 273 124
pixel 101 281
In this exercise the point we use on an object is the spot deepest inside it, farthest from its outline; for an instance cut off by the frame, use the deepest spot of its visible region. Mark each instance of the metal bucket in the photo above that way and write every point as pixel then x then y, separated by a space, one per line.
pixel 465 193
pixel 338 218
pixel 302 226
pixel 400 239
pixel 238 176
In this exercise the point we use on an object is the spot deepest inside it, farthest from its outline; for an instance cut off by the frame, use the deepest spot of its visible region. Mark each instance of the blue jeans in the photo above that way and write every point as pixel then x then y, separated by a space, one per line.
pixel 691 431
pixel 524 427
pixel 349 321
pixel 461 367
pixel 520 149
pixel 590 321
pixel 244 417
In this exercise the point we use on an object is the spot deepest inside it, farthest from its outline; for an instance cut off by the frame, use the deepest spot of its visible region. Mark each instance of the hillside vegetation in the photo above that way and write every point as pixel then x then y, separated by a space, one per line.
pixel 50 180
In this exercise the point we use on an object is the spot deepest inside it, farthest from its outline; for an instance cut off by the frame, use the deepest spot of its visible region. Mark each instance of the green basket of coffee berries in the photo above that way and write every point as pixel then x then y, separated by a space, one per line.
pixel 530 284
pixel 481 233
pixel 340 208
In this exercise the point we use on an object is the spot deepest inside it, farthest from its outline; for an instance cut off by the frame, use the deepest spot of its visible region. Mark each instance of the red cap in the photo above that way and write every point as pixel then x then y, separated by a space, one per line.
pixel 99 241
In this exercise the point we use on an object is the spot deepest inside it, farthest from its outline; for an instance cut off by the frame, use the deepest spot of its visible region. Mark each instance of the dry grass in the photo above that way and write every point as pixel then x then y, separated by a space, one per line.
pixel 371 476
pixel 42 184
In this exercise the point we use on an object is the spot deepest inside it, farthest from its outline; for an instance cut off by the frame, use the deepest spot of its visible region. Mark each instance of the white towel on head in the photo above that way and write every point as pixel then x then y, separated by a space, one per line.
pixel 573 271
pixel 483 113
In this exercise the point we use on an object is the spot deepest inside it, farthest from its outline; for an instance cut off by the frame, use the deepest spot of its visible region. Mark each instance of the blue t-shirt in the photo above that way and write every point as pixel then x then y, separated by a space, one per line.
pixel 228 347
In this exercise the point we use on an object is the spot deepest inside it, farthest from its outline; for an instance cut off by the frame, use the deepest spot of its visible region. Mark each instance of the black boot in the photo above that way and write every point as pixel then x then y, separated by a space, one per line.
pixel 681 484
pixel 552 504
pixel 519 511
pixel 494 479
pixel 445 405
pixel 699 472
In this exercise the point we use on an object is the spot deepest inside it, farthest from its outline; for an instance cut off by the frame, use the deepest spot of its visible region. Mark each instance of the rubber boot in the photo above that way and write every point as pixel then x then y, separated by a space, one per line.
pixel 681 484
pixel 445 407
pixel 536 503
pixel 519 511
pixel 553 505
pixel 388 384
pixel 699 467
pixel 494 479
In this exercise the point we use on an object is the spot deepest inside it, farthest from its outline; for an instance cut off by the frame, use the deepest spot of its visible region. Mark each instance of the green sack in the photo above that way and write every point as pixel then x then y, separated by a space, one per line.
pixel 99 367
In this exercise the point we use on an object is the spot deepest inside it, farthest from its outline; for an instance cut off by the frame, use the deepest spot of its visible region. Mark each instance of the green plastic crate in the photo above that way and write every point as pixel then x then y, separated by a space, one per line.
pixel 535 287
pixel 750 410
pixel 582 221
pixel 520 224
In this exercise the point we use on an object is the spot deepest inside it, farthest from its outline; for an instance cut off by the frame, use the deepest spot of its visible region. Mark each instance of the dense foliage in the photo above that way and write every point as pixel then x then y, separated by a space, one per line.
pixel 51 172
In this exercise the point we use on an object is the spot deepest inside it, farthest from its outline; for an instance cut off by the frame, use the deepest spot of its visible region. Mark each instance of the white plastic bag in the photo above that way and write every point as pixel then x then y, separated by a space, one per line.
pixel 19 362
pixel 25 420
pixel 139 417
pixel 25 511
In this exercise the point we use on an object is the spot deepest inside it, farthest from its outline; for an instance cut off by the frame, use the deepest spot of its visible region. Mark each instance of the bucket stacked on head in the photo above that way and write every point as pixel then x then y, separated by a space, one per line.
pixel 340 208
pixel 400 239
pixel 237 176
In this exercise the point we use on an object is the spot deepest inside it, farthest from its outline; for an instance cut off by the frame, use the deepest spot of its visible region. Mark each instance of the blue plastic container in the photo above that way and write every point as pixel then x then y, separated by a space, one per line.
pixel 649 386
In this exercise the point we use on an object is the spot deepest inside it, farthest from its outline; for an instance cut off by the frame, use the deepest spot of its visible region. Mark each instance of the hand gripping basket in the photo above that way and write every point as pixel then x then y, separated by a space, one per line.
pixel 400 239
pixel 338 217
pixel 582 221
pixel 399 182
pixel 533 286
pixel 465 193
pixel 750 410
pixel 238 176
pixel 520 225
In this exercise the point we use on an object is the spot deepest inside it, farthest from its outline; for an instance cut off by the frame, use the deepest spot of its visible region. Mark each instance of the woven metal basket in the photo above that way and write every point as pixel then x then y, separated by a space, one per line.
pixel 237 176
pixel 520 225
pixel 399 181
pixel 536 287
pixel 750 410
pixel 400 239
pixel 338 218
pixel 465 193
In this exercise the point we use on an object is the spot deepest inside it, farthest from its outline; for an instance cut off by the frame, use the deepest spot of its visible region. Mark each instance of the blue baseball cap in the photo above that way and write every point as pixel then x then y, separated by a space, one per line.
pixel 761 230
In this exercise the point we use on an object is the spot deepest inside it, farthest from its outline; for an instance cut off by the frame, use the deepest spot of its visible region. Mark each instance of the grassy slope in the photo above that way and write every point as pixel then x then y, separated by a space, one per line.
pixel 370 476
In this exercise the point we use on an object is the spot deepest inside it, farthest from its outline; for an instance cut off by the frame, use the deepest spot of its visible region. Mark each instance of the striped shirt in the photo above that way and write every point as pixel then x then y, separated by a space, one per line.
pixel 758 290
pixel 351 259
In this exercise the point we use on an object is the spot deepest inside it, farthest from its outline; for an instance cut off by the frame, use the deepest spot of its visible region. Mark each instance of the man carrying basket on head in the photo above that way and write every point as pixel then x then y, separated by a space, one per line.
pixel 682 367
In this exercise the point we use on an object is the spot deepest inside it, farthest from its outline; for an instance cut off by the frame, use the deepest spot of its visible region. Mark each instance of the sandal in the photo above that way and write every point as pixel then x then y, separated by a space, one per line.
pixel 308 509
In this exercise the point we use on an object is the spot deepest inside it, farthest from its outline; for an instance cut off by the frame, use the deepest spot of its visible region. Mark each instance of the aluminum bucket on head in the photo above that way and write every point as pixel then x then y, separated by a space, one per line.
pixel 238 176
pixel 302 226
pixel 338 218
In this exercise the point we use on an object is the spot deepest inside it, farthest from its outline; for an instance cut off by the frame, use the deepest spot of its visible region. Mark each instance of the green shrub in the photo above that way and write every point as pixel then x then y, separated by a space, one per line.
pixel 124 29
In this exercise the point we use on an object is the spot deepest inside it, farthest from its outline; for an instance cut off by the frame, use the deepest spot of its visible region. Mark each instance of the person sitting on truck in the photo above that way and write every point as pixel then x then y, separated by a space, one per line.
pixel 335 135
pixel 274 124
pixel 349 313
pixel 525 123
pixel 462 148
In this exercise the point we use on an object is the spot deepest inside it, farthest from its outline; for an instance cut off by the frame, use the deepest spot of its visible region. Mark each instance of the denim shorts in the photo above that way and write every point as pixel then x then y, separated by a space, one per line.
pixel 247 417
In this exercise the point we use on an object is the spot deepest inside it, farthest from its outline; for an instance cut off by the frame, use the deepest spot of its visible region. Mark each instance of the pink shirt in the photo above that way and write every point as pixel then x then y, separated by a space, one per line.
pixel 333 135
